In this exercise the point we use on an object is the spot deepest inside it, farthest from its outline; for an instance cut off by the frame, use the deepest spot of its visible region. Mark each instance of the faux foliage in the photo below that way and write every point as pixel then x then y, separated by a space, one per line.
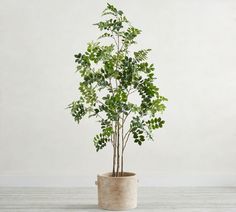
pixel 110 75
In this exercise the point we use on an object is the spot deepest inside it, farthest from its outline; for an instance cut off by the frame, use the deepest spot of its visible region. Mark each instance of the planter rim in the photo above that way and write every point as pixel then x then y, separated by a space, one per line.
pixel 109 175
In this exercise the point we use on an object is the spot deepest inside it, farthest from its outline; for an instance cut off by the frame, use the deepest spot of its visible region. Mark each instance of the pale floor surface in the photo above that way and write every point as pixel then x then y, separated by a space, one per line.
pixel 176 199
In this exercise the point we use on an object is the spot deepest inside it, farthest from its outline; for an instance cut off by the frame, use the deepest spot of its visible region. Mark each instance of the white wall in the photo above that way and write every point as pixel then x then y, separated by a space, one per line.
pixel 193 42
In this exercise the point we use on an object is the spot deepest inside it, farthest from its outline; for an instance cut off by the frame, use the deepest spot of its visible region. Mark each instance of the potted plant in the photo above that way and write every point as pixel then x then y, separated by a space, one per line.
pixel 111 76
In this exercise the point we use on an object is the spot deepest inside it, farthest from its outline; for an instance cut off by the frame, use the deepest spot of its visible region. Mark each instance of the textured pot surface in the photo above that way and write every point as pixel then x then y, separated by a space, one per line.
pixel 117 193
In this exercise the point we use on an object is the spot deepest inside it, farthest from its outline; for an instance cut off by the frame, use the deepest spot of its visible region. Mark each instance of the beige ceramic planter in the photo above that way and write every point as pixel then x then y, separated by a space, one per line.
pixel 117 193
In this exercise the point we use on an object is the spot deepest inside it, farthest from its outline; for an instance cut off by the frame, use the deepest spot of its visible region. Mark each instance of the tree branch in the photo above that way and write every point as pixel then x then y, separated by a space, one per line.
pixel 126 140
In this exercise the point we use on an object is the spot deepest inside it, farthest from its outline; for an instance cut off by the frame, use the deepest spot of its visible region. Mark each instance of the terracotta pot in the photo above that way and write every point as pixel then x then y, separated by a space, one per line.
pixel 117 193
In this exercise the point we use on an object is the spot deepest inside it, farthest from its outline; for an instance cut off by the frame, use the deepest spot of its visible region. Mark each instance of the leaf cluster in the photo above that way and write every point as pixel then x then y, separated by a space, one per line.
pixel 110 74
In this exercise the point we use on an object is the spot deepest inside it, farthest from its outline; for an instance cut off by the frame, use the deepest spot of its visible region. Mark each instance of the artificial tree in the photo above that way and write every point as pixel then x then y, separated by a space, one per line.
pixel 111 74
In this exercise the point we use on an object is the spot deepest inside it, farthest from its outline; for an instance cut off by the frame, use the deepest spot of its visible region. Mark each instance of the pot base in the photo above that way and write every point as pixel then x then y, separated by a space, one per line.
pixel 117 193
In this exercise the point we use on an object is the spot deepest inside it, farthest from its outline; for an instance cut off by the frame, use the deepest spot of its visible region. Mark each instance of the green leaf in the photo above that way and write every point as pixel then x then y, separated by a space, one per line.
pixel 141 55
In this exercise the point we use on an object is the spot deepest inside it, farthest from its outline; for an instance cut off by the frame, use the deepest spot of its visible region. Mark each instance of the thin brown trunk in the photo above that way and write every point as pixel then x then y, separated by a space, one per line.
pixel 118 149
pixel 118 122
pixel 114 151
pixel 122 148
pixel 122 163
pixel 114 161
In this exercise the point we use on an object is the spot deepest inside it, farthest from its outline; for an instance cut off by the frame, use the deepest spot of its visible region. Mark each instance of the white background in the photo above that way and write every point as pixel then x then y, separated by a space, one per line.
pixel 194 51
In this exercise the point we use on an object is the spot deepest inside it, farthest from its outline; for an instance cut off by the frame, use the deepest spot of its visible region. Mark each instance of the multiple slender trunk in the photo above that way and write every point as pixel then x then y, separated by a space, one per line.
pixel 118 142
pixel 118 138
